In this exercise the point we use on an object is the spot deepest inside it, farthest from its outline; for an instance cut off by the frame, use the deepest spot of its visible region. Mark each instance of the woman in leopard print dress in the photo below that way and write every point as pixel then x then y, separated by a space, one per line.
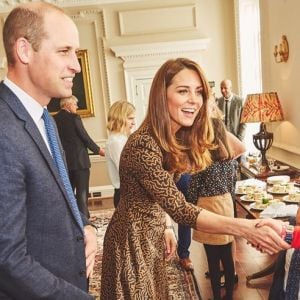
pixel 175 136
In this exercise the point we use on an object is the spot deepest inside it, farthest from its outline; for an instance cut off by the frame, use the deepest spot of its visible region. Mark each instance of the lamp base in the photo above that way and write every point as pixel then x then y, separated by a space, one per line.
pixel 263 140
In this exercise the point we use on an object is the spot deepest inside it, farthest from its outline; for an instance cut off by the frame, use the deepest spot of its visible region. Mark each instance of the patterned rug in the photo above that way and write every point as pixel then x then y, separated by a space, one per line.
pixel 182 284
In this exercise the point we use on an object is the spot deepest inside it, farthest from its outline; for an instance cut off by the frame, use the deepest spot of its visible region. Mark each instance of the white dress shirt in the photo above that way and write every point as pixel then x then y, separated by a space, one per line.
pixel 34 109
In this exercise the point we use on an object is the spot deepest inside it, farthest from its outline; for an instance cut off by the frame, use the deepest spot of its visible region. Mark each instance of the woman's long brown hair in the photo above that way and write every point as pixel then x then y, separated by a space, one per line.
pixel 223 149
pixel 189 149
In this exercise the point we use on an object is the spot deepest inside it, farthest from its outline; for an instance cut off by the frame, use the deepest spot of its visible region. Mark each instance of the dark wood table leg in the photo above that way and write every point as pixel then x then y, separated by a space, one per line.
pixel 266 271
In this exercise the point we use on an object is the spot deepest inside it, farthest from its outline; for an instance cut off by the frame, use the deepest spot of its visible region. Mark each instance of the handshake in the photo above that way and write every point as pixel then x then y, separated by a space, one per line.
pixel 289 235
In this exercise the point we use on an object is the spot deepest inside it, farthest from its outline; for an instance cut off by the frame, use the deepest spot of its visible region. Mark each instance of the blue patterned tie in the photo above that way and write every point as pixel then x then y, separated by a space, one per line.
pixel 293 280
pixel 60 165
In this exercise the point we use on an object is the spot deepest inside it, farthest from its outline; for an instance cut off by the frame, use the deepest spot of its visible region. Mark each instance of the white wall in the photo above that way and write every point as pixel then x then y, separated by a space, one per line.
pixel 104 24
pixel 277 18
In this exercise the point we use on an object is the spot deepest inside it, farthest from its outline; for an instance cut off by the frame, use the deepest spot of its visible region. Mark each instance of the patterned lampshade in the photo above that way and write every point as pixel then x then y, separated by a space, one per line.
pixel 263 107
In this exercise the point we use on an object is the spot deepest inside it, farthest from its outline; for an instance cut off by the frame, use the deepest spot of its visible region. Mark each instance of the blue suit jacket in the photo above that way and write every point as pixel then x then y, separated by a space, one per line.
pixel 41 245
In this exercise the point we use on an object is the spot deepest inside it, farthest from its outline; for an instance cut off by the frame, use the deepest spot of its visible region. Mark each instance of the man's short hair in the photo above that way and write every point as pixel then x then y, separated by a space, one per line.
pixel 26 21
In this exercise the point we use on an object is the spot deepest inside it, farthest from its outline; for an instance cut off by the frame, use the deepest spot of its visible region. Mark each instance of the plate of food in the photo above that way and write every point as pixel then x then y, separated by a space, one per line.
pixel 275 191
pixel 249 186
pixel 279 168
pixel 264 203
pixel 278 179
pixel 245 189
pixel 282 189
pixel 258 206
pixel 247 198
pixel 257 196
pixel 291 199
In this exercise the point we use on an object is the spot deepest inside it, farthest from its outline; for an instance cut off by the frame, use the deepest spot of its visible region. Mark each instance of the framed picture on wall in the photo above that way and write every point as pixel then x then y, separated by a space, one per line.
pixel 81 89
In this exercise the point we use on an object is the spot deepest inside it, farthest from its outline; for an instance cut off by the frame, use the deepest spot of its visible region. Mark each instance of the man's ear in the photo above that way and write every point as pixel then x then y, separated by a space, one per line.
pixel 23 50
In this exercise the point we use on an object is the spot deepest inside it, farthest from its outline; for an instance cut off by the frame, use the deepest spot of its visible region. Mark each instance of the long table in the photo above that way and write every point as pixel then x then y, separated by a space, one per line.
pixel 245 206
pixel 254 214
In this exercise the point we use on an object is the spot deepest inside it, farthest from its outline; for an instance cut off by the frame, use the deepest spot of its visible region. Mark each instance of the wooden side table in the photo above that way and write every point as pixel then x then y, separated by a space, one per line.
pixel 250 171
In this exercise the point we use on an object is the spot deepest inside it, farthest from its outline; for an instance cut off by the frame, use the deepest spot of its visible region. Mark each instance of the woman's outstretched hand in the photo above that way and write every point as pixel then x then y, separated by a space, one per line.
pixel 266 236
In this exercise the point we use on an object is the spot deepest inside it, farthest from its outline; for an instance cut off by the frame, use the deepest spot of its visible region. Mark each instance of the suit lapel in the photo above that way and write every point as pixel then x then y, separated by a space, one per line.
pixel 233 111
pixel 19 110
pixel 34 133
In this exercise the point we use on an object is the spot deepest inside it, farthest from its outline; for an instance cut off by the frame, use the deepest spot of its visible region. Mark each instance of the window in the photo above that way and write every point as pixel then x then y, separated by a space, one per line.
pixel 249 56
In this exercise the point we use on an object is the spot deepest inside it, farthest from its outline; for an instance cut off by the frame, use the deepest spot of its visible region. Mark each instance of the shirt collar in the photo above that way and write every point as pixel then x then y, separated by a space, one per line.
pixel 34 109
pixel 229 98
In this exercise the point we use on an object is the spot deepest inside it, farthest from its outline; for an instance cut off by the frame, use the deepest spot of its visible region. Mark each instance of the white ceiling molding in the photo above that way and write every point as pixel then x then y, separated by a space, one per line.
pixel 154 53
pixel 7 5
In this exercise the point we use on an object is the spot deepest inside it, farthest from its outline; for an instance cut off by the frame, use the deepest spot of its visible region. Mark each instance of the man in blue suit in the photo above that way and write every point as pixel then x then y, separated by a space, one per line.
pixel 44 253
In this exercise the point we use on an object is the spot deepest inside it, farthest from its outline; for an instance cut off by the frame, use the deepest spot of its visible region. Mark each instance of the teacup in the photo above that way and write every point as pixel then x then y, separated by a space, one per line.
pixel 257 196
pixel 241 189
pixel 279 188
pixel 290 186
pixel 249 189
pixel 249 196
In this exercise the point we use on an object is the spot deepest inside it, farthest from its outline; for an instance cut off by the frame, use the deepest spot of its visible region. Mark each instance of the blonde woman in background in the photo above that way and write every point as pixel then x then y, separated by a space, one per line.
pixel 120 122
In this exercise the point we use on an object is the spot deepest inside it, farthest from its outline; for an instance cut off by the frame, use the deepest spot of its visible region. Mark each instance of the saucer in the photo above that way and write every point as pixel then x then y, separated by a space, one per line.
pixel 246 199
pixel 270 190
pixel 278 179
pixel 288 200
pixel 258 207
pixel 280 168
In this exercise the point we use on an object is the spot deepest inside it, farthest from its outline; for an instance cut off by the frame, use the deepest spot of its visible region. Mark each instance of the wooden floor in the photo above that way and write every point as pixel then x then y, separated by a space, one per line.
pixel 248 261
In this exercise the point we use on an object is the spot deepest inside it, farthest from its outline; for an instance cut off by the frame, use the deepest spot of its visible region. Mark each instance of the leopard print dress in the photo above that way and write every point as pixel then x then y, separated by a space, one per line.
pixel 133 265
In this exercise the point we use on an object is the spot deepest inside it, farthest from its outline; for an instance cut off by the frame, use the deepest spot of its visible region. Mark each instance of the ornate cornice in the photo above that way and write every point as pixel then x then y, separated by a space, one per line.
pixel 137 54
pixel 150 49
pixel 82 14
pixel 7 5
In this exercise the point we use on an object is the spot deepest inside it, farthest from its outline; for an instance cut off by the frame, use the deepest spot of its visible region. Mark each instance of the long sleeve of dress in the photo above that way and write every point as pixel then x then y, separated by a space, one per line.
pixel 143 158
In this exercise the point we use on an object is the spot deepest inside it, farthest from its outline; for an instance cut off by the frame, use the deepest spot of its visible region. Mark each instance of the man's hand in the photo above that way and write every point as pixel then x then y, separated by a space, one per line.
pixel 276 225
pixel 90 242
pixel 267 236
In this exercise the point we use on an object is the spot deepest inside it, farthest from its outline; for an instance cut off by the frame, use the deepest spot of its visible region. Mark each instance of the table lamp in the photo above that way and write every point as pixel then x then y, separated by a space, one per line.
pixel 263 108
